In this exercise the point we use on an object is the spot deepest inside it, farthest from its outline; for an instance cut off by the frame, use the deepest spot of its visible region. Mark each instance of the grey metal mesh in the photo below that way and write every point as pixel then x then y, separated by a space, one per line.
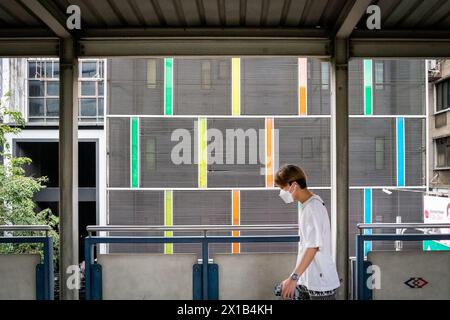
pixel 119 152
pixel 202 86
pixel 403 90
pixel 355 87
pixel 306 142
pixel 385 208
pixel 318 97
pixel 269 85
pixel 157 166
pixel 136 207
pixel 362 152
pixel 238 175
pixel 364 169
pixel 398 90
pixel 415 147
pixel 131 91
pixel 356 215
pixel 202 208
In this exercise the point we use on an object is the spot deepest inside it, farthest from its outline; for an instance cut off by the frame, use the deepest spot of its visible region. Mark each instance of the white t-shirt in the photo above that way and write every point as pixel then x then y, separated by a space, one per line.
pixel 315 231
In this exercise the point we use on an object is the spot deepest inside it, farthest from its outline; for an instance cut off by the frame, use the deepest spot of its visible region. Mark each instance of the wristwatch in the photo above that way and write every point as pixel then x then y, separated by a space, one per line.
pixel 294 276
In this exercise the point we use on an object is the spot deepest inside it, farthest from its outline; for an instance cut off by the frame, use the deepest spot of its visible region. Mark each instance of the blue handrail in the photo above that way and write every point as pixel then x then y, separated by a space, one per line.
pixel 361 238
pixel 45 288
pixel 205 240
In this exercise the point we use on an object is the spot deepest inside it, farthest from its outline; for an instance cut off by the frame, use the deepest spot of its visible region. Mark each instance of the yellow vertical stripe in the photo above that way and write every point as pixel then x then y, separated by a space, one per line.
pixel 168 219
pixel 236 219
pixel 269 152
pixel 303 85
pixel 236 86
pixel 203 153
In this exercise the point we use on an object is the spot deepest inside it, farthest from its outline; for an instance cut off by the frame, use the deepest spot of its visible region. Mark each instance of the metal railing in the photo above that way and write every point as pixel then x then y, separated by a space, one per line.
pixel 17 227
pixel 193 228
pixel 362 226
pixel 361 238
pixel 204 240
pixel 44 271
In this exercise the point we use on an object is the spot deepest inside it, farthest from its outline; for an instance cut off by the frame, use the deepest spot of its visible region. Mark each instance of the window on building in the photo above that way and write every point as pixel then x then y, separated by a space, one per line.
pixel 43 90
pixel 308 69
pixel 379 75
pixel 35 69
pixel 325 75
pixel 151 73
pixel 150 154
pixel 91 88
pixel 379 153
pixel 442 152
pixel 206 74
pixel 443 95
pixel 224 70
pixel 307 147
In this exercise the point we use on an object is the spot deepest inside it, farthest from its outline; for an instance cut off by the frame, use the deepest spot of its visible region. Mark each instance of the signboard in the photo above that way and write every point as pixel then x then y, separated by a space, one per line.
pixel 436 210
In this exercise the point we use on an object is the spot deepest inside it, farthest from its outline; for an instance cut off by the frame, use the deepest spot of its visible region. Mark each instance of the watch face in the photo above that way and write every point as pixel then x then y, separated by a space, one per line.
pixel 294 276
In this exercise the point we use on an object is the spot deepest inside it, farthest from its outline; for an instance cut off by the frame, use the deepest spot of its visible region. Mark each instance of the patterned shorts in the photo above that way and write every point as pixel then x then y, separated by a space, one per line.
pixel 302 293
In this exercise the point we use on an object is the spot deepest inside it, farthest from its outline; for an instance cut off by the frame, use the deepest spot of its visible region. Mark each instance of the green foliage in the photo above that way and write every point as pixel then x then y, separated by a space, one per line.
pixel 17 190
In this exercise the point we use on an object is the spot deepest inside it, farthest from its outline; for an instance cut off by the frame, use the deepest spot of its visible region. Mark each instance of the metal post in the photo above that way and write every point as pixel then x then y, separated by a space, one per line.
pixel 340 181
pixel 87 266
pixel 68 165
pixel 398 243
pixel 205 261
pixel 48 271
pixel 359 266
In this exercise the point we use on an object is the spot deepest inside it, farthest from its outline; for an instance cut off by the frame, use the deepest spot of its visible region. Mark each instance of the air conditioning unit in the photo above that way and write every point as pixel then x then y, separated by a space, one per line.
pixel 434 70
pixel 432 64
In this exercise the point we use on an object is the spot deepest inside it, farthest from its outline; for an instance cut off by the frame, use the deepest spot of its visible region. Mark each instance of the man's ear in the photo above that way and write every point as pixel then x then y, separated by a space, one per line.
pixel 295 186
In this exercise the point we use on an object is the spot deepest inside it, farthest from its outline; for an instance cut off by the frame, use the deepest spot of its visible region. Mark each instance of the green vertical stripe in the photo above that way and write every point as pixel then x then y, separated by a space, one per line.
pixel 168 219
pixel 368 88
pixel 134 152
pixel 168 86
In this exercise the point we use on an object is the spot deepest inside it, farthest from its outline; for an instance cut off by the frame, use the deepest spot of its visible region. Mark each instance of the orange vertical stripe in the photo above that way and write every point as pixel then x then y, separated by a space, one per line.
pixel 302 104
pixel 236 247
pixel 302 85
pixel 269 153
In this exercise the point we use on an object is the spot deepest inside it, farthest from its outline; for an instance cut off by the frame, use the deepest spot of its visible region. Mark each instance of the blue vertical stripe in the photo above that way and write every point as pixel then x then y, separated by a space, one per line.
pixel 367 217
pixel 400 152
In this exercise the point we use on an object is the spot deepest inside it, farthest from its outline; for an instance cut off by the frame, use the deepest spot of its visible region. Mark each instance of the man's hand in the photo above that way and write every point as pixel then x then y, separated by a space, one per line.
pixel 288 288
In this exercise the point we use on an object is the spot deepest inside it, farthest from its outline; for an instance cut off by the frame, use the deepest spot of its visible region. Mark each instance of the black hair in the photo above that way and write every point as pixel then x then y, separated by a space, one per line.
pixel 302 183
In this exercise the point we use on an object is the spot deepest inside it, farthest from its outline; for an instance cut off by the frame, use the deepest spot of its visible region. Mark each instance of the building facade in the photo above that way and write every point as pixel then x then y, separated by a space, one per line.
pixel 439 124
pixel 181 140
pixel 33 88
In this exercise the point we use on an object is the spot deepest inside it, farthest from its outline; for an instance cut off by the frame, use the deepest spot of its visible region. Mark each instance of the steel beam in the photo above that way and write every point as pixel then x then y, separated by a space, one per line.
pixel 319 47
pixel 196 46
pixel 29 47
pixel 50 19
pixel 399 48
pixel 68 166
pixel 340 180
pixel 209 32
pixel 351 18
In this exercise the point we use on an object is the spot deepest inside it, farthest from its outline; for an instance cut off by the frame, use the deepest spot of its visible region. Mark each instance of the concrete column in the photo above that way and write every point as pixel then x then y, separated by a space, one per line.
pixel 340 166
pixel 68 166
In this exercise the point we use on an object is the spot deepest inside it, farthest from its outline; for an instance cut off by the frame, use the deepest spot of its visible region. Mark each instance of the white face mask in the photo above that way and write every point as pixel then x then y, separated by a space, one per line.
pixel 286 196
